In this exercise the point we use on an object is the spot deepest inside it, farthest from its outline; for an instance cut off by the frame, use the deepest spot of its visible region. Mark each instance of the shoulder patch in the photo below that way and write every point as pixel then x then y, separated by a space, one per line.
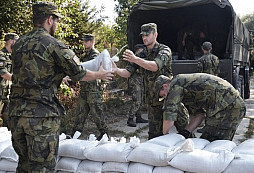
pixel 1 64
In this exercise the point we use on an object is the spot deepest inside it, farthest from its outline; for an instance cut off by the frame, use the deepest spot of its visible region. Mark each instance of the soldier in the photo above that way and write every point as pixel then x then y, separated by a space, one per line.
pixel 208 63
pixel 5 72
pixel 157 60
pixel 136 86
pixel 90 98
pixel 223 105
pixel 40 62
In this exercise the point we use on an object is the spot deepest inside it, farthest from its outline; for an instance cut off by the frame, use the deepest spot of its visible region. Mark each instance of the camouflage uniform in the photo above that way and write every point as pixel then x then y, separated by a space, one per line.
pixel 208 63
pixel 223 104
pixel 90 100
pixel 5 66
pixel 136 86
pixel 40 62
pixel 161 54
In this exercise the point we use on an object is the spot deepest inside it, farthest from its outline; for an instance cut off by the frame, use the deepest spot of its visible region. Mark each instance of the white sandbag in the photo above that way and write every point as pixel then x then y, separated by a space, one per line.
pixel 157 155
pixel 4 144
pixel 6 165
pixel 139 168
pixel 166 169
pixel 104 58
pixel 110 152
pixel 199 161
pixel 245 147
pixel 168 140
pixel 2 171
pixel 62 137
pixel 4 134
pixel 88 166
pixel 220 145
pixel 75 148
pixel 115 167
pixel 241 164
pixel 198 143
pixel 67 164
pixel 9 154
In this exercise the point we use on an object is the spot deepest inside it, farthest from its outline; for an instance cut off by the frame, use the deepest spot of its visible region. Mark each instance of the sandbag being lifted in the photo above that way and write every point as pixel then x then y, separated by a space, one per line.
pixel 104 58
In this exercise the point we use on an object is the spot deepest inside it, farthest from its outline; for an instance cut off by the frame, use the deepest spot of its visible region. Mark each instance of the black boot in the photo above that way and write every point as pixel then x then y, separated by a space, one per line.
pixel 131 123
pixel 141 120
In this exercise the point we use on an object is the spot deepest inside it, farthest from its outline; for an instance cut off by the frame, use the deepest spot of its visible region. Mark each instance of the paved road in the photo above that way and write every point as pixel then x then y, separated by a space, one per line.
pixel 242 132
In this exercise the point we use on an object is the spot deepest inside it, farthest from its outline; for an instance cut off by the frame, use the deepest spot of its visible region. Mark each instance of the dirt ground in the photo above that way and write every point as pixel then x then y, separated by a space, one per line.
pixel 116 115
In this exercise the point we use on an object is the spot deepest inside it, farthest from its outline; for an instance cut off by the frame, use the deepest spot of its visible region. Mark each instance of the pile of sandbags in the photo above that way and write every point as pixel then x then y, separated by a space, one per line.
pixel 171 153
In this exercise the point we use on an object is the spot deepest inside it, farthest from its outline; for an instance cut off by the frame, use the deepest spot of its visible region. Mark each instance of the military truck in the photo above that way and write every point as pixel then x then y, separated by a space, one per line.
pixel 224 29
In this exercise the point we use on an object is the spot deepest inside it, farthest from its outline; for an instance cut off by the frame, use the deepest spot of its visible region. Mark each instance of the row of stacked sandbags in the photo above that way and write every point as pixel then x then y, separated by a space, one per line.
pixel 165 154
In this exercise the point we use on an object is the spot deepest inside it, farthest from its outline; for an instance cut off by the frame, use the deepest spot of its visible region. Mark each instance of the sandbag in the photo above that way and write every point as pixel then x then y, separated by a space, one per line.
pixel 88 166
pixel 168 140
pixel 139 168
pixel 198 143
pixel 241 164
pixel 220 145
pixel 245 147
pixel 9 154
pixel 157 155
pixel 115 167
pixel 4 144
pixel 166 169
pixel 67 164
pixel 200 160
pixel 75 148
pixel 104 58
pixel 110 152
pixel 6 165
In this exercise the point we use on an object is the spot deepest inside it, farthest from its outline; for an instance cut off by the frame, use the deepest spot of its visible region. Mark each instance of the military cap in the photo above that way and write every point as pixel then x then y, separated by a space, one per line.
pixel 44 7
pixel 148 28
pixel 88 37
pixel 11 36
pixel 160 80
pixel 207 45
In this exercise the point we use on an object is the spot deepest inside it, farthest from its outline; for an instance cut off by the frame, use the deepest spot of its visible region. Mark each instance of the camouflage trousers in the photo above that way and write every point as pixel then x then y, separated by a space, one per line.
pixel 36 141
pixel 90 106
pixel 155 119
pixel 223 125
pixel 4 112
pixel 136 103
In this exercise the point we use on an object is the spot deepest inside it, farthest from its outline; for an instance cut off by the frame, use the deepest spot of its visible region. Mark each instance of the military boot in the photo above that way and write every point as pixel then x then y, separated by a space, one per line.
pixel 131 123
pixel 141 120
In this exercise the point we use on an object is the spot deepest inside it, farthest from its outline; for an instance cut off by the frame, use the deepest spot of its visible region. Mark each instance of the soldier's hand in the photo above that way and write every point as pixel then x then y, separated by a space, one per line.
pixel 128 55
pixel 66 80
pixel 105 75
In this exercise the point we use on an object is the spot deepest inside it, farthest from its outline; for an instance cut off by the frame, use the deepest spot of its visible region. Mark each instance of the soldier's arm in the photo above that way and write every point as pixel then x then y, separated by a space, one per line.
pixel 167 124
pixel 7 76
pixel 120 71
pixel 148 65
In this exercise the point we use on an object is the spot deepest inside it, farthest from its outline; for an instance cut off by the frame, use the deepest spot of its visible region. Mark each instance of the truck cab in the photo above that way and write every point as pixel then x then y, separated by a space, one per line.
pixel 220 26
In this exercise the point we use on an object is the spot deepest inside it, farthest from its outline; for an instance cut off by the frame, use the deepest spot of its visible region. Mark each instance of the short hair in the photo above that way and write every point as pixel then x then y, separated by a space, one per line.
pixel 39 20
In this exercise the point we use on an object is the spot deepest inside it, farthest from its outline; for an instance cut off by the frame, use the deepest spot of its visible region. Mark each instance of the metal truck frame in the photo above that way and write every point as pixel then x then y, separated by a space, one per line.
pixel 229 36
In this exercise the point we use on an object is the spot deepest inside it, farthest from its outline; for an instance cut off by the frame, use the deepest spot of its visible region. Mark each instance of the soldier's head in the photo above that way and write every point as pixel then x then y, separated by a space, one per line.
pixel 161 85
pixel 88 41
pixel 45 14
pixel 149 34
pixel 10 39
pixel 207 46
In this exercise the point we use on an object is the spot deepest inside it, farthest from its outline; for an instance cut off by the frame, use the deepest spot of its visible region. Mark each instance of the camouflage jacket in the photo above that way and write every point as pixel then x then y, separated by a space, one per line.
pixel 162 55
pixel 197 91
pixel 5 66
pixel 209 63
pixel 91 86
pixel 40 62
